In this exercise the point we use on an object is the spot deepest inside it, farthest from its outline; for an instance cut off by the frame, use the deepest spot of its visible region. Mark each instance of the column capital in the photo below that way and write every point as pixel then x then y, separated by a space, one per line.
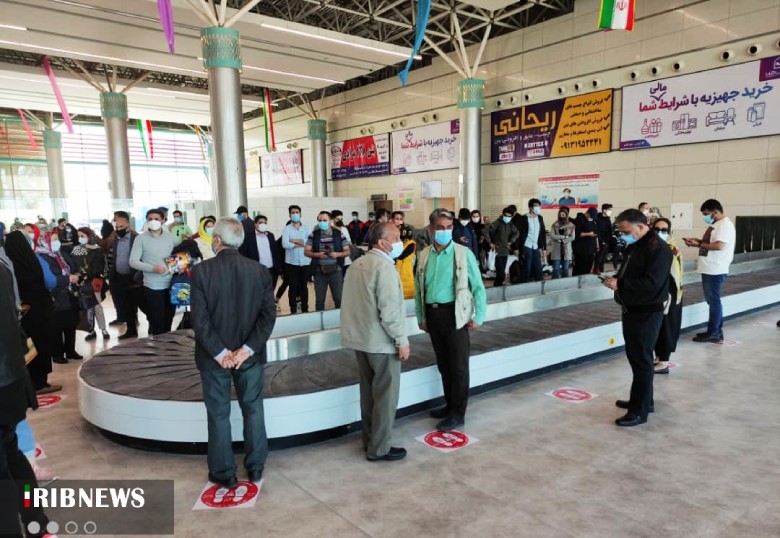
pixel 113 105
pixel 220 47
pixel 316 129
pixel 471 93
pixel 52 139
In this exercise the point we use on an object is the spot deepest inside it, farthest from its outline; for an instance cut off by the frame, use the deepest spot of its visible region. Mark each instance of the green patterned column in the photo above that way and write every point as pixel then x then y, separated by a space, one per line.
pixel 317 133
pixel 471 93
pixel 471 101
pixel 222 59
pixel 113 108
pixel 52 144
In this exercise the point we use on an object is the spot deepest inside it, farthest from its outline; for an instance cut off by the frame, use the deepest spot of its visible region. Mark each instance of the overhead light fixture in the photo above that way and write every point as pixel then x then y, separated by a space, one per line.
pixel 33 81
pixel 51 50
pixel 288 74
pixel 13 27
pixel 338 41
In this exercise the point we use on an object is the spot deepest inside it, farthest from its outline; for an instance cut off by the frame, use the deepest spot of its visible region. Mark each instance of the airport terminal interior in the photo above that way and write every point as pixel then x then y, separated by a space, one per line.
pixel 544 133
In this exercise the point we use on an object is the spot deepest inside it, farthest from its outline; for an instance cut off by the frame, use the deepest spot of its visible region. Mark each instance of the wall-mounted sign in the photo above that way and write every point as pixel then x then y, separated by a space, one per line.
pixel 431 188
pixel 572 126
pixel 360 157
pixel 576 191
pixel 406 200
pixel 283 168
pixel 739 101
pixel 432 147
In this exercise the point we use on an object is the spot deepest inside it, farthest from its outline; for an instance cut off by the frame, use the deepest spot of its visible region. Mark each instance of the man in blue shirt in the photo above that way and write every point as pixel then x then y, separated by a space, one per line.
pixel 568 199
pixel 296 265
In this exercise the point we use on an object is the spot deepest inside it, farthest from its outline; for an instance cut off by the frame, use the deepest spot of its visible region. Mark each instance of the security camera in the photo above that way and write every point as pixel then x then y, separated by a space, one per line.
pixel 371 130
pixel 513 99
pixel 656 70
pixel 596 83
pixel 754 49
pixel 679 65
pixel 634 75
pixel 435 116
pixel 578 86
pixel 726 55
pixel 362 131
pixel 499 103
pixel 561 90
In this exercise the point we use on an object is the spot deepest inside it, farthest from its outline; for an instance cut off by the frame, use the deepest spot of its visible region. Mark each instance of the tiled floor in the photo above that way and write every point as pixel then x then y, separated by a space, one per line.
pixel 706 464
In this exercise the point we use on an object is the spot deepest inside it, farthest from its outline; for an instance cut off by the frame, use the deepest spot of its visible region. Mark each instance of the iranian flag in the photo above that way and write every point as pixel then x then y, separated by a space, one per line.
pixel 617 15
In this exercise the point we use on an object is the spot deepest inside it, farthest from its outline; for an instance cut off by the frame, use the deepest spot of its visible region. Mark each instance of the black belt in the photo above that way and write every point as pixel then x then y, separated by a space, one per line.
pixel 438 306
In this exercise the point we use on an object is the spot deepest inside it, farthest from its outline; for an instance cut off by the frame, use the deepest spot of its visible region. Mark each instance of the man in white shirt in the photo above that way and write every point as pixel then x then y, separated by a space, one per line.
pixel 716 252
pixel 267 248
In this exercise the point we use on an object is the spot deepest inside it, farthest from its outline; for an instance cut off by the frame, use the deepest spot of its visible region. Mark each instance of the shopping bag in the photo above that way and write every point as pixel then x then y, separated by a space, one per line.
pixel 491 261
pixel 31 352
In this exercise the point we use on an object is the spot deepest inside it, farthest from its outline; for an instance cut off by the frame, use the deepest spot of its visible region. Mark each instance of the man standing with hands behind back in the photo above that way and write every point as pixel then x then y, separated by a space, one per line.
pixel 233 314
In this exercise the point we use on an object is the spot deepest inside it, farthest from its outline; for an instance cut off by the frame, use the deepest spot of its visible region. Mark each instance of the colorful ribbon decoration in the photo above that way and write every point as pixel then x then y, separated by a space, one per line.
pixel 200 141
pixel 166 18
pixel 423 13
pixel 57 94
pixel 268 121
pixel 151 140
pixel 143 138
pixel 27 129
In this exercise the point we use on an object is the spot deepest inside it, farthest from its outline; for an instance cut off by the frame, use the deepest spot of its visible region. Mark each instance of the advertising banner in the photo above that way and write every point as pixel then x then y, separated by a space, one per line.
pixel 572 126
pixel 432 147
pixel 283 168
pixel 360 157
pixel 576 191
pixel 739 101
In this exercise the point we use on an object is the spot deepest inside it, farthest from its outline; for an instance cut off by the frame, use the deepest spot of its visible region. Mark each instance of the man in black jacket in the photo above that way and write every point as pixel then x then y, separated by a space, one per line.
pixel 248 248
pixel 16 395
pixel 642 290
pixel 604 225
pixel 532 243
pixel 233 314
pixel 268 252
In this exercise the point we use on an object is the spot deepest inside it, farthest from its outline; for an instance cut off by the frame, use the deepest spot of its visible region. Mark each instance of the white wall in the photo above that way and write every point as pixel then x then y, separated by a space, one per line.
pixel 743 174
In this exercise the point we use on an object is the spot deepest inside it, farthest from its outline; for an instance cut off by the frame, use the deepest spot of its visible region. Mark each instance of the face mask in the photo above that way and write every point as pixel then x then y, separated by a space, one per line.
pixel 240 217
pixel 295 217
pixel 563 218
pixel 209 231
pixel 354 218
pixel 443 237
pixel 324 225
pixel 506 219
pixel 154 225
pixel 608 212
pixel 537 209
pixel 371 219
pixel 708 219
pixel 120 232
pixel 262 228
pixel 31 236
pixel 628 239
pixel 664 235
pixel 646 212
pixel 339 221
pixel 55 246
pixel 464 223
pixel 178 219
pixel 398 248
pixel 475 220
pixel 83 240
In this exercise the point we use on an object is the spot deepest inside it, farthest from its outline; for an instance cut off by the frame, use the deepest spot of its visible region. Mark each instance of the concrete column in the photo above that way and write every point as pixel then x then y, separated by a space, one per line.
pixel 222 60
pixel 52 144
pixel 471 101
pixel 113 108
pixel 317 133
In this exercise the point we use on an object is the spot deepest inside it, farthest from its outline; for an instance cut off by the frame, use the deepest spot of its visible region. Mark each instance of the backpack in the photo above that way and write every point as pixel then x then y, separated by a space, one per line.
pixel 180 290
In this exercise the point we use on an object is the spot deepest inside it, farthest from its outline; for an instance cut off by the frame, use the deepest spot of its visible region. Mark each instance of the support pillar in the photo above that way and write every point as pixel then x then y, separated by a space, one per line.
pixel 113 108
pixel 52 144
pixel 471 101
pixel 222 60
pixel 317 133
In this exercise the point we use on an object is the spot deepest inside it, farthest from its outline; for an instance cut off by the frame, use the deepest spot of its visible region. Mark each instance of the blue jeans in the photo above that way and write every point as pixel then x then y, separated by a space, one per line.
pixel 557 268
pixel 532 265
pixel 712 285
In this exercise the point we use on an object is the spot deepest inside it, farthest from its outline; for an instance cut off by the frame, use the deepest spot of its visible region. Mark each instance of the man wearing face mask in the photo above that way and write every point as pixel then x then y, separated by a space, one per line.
pixel 501 234
pixel 249 248
pixel 562 235
pixel 532 242
pixel 178 227
pixel 354 227
pixel 121 277
pixel 716 252
pixel 365 226
pixel 642 290
pixel 463 232
pixel 149 252
pixel 327 247
pixel 604 225
pixel 267 249
pixel 296 263
pixel 450 300
pixel 373 323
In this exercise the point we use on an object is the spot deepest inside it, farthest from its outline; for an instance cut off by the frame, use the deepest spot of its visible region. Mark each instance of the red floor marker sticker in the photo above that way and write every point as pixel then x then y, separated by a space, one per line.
pixel 673 365
pixel 39 453
pixel 447 441
pixel 46 401
pixel 214 497
pixel 569 394
pixel 727 343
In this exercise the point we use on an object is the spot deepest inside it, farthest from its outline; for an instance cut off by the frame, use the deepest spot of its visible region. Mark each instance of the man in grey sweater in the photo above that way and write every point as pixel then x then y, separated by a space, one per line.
pixel 373 323
pixel 148 255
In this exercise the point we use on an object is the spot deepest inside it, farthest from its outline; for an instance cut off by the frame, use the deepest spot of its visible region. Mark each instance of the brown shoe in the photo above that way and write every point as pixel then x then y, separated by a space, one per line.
pixel 48 389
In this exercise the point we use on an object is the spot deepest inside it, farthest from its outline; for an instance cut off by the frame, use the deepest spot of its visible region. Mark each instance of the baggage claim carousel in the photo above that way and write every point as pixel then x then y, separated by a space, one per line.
pixel 147 393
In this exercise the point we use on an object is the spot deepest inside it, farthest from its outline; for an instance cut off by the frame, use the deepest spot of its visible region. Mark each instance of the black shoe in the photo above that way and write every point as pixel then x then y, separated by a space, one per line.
pixel 713 339
pixel 394 454
pixel 127 336
pixel 255 476
pixel 450 423
pixel 117 322
pixel 778 323
pixel 75 357
pixel 702 335
pixel 90 336
pixel 623 404
pixel 663 371
pixel 441 412
pixel 629 419
pixel 59 360
pixel 224 482
pixel 106 336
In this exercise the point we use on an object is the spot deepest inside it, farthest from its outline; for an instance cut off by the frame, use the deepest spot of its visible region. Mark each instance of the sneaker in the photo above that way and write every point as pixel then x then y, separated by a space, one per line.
pixel 711 339
pixel 90 336
pixel 106 336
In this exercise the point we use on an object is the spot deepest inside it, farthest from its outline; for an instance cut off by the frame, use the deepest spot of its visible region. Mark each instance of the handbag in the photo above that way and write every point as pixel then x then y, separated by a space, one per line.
pixel 491 260
pixel 87 298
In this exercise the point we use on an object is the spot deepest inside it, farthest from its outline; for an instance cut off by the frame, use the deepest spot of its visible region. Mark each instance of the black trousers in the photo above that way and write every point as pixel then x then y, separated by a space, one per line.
pixel 118 288
pixel 500 270
pixel 298 280
pixel 159 310
pixel 601 257
pixel 38 324
pixel 640 332
pixel 64 342
pixel 670 330
pixel 583 263
pixel 124 294
pixel 452 347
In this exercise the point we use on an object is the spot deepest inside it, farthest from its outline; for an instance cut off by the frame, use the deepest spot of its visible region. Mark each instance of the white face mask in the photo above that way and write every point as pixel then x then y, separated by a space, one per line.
pixel 55 246
pixel 262 228
pixel 475 220
pixel 646 212
pixel 154 225
pixel 608 212
pixel 464 223
pixel 83 240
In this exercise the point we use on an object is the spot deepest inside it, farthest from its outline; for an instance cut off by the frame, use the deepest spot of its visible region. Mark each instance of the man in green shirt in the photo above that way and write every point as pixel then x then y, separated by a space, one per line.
pixel 178 227
pixel 450 300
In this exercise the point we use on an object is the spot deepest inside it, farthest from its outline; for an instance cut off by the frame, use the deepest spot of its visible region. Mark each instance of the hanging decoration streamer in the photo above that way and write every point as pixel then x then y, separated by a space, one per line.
pixel 200 141
pixel 57 94
pixel 166 18
pixel 265 125
pixel 423 13
pixel 27 129
pixel 151 140
pixel 270 124
pixel 143 138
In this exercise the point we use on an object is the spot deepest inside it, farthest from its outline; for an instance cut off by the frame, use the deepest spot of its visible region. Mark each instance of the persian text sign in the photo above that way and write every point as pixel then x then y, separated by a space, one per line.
pixel 576 191
pixel 433 147
pixel 360 157
pixel 284 168
pixel 573 126
pixel 739 101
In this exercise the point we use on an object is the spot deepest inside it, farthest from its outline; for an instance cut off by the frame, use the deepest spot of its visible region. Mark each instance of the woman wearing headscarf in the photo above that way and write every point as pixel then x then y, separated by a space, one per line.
pixel 586 242
pixel 66 315
pixel 204 237
pixel 89 261
pixel 672 324
pixel 34 293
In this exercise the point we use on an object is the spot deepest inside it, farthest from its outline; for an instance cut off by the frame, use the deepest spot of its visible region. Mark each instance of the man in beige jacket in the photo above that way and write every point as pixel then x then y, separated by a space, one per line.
pixel 373 323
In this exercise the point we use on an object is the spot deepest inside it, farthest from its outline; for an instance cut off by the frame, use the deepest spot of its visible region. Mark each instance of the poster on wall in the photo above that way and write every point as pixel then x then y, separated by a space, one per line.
pixel 577 125
pixel 406 200
pixel 576 191
pixel 360 157
pixel 283 168
pixel 740 101
pixel 432 147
